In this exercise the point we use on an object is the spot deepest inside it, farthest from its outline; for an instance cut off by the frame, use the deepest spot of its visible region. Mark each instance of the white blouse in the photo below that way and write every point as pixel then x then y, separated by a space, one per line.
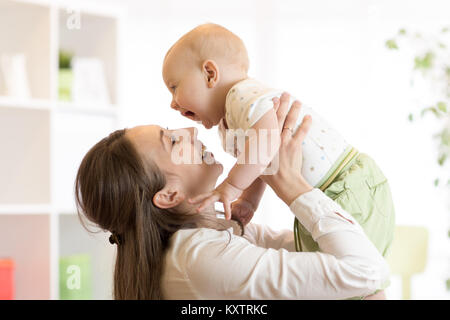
pixel 209 264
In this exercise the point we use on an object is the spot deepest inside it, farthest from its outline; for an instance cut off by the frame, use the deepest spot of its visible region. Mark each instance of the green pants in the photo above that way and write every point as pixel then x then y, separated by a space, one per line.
pixel 362 190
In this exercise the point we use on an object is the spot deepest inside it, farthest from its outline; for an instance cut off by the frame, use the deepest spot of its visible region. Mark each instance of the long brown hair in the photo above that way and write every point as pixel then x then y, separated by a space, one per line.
pixel 114 189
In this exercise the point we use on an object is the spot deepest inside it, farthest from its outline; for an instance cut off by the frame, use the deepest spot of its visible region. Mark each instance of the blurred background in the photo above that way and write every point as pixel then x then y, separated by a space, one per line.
pixel 73 71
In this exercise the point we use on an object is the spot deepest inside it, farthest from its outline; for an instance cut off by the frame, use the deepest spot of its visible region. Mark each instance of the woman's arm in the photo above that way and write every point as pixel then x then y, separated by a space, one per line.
pixel 349 265
pixel 266 237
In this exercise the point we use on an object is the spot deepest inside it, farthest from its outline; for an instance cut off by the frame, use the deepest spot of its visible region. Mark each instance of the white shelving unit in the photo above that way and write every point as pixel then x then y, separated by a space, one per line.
pixel 43 140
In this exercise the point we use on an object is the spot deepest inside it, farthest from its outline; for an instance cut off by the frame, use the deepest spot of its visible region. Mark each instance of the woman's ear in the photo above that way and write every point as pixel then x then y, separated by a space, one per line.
pixel 168 197
pixel 211 72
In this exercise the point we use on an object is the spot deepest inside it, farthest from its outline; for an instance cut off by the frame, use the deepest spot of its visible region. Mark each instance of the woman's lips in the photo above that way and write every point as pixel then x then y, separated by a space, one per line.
pixel 207 156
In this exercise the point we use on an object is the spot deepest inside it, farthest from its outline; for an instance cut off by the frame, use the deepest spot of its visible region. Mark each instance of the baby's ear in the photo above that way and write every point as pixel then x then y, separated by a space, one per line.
pixel 210 70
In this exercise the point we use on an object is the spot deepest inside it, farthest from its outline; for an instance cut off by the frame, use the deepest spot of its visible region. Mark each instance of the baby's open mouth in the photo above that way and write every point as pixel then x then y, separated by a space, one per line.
pixel 190 115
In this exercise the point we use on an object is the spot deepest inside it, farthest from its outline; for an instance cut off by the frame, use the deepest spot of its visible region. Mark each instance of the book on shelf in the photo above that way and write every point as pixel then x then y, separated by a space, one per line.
pixel 7 288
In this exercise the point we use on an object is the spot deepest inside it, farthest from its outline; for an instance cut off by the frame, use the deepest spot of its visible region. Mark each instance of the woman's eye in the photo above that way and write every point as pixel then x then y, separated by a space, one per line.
pixel 173 88
pixel 173 139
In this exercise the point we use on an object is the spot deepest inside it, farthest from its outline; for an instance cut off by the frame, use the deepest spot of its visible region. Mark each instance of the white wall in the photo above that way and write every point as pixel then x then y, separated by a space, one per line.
pixel 329 54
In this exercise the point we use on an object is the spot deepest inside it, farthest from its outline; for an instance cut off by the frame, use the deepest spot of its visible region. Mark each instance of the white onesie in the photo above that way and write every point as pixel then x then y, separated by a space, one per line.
pixel 324 149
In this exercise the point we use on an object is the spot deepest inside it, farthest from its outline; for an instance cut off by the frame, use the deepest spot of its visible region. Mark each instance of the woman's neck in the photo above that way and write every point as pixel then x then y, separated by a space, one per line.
pixel 220 223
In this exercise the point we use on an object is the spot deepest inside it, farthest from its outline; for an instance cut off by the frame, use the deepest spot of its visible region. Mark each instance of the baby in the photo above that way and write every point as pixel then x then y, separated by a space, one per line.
pixel 206 73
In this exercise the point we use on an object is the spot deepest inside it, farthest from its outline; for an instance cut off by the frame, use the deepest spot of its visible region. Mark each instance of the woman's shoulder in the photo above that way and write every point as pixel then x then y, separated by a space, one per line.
pixel 193 236
pixel 186 246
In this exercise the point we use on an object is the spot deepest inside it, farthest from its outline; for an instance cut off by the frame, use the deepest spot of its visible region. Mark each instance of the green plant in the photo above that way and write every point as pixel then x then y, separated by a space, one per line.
pixel 65 59
pixel 432 64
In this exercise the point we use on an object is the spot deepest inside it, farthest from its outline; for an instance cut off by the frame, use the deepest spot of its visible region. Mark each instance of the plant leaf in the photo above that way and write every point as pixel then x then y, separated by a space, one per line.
pixel 391 44
pixel 436 182
pixel 424 62
pixel 442 158
pixel 433 110
pixel 442 106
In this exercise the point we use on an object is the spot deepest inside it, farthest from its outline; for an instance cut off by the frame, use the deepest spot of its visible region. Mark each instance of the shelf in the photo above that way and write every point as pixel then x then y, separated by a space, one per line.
pixel 44 139
pixel 96 38
pixel 80 132
pixel 11 102
pixel 75 239
pixel 70 107
pixel 25 29
pixel 67 211
pixel 26 239
pixel 91 109
pixel 25 138
pixel 20 209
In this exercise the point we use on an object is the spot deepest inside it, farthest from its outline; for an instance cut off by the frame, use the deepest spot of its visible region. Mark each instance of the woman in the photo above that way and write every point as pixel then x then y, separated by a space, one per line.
pixel 130 185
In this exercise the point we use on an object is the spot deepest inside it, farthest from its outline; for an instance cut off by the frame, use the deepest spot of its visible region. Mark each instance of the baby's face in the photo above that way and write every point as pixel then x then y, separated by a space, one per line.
pixel 188 85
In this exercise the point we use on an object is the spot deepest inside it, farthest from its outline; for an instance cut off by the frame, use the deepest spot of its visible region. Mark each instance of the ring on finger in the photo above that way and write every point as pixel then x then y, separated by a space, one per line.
pixel 290 129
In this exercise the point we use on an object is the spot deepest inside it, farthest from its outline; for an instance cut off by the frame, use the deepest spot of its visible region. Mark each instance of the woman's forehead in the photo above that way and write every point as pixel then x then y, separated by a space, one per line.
pixel 145 135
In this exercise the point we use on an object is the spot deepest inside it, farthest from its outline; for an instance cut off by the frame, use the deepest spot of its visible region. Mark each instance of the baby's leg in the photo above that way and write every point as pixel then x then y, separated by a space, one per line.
pixel 363 191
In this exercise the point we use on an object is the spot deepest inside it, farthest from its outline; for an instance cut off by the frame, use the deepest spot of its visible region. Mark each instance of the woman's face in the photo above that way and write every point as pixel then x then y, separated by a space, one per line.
pixel 180 155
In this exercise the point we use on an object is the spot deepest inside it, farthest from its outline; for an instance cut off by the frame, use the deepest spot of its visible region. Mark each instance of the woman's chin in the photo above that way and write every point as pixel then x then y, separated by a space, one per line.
pixel 218 169
pixel 216 166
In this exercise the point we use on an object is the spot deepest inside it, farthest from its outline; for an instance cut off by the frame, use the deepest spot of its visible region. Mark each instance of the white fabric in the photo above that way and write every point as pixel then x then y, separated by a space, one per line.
pixel 209 264
pixel 249 100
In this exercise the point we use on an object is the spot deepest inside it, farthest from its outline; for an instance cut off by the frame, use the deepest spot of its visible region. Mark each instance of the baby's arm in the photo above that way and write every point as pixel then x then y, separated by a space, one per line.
pixel 265 134
pixel 243 208
pixel 254 193
pixel 247 168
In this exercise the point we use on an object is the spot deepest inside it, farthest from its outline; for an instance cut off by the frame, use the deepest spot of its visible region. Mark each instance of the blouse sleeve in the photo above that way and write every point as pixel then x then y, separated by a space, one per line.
pixel 266 237
pixel 348 265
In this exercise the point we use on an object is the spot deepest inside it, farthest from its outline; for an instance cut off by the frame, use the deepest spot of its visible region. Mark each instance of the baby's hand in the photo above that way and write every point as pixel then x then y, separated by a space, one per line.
pixel 242 210
pixel 224 193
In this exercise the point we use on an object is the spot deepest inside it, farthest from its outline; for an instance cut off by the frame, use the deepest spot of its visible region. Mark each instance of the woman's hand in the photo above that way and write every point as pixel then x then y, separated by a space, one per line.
pixel 288 182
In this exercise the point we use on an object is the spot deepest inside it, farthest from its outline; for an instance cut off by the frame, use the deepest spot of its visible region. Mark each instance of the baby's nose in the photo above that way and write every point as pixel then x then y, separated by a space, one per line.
pixel 174 105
